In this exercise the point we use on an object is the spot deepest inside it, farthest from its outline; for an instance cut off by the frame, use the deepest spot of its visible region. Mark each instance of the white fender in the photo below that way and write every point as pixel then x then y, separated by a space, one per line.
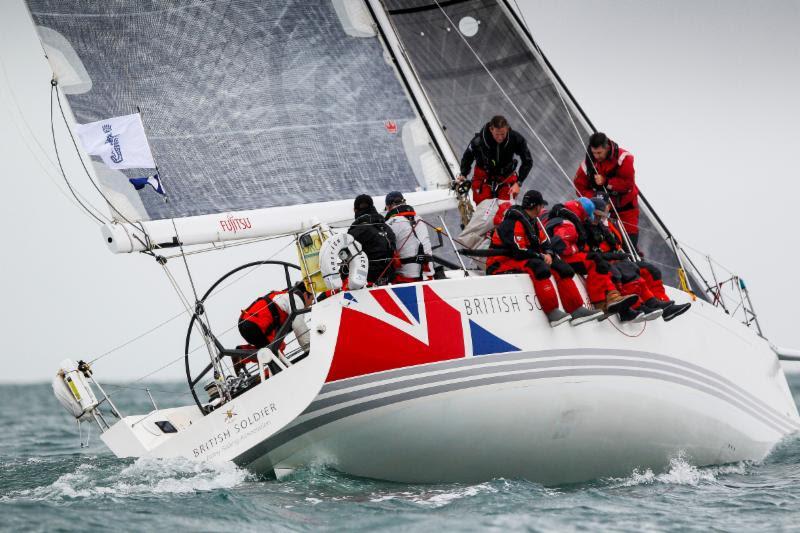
pixel 339 249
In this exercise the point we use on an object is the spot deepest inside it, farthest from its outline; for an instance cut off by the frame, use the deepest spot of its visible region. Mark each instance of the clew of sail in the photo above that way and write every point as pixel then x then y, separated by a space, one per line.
pixel 260 112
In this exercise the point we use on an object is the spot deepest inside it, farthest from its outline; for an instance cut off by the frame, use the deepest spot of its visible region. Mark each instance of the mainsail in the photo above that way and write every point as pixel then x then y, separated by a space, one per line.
pixel 248 104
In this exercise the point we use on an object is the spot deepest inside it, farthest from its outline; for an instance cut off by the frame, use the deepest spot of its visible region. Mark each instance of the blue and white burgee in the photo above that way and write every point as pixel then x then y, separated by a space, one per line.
pixel 154 181
pixel 119 141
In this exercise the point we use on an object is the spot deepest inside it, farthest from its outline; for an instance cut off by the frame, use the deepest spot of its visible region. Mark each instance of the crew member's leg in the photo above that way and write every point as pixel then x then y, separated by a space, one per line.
pixel 651 275
pixel 630 221
pixel 480 188
pixel 571 297
pixel 602 290
pixel 632 283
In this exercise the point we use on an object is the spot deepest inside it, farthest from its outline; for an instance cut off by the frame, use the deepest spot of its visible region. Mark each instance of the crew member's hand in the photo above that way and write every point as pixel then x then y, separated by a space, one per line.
pixel 548 259
pixel 515 189
pixel 460 178
pixel 598 179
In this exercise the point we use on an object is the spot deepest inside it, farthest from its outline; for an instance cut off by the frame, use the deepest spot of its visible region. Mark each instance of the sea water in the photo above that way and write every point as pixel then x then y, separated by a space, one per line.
pixel 48 482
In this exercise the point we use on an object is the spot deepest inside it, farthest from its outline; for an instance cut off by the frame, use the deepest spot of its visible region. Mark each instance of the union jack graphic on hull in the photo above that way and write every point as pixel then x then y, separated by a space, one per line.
pixel 387 328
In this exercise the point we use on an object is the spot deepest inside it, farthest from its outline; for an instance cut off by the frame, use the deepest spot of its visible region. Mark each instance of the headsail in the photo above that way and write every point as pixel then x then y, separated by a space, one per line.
pixel 247 104
pixel 474 55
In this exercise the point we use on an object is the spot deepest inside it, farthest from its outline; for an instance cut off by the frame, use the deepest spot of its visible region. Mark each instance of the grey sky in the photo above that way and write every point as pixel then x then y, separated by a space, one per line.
pixel 703 93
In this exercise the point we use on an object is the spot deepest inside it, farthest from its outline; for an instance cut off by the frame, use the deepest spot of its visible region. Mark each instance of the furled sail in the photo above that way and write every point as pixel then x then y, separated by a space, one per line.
pixel 247 104
pixel 474 61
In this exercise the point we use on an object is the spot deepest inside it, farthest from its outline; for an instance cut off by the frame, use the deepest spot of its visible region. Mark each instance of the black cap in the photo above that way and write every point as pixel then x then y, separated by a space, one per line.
pixel 363 201
pixel 531 199
pixel 394 197
pixel 599 203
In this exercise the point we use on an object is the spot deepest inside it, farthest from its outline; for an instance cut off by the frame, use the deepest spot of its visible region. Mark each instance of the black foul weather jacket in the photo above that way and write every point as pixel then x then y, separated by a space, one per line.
pixel 377 240
pixel 497 159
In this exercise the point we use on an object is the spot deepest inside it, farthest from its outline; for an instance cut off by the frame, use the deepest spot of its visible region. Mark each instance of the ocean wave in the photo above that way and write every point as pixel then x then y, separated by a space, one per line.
pixel 142 477
pixel 436 497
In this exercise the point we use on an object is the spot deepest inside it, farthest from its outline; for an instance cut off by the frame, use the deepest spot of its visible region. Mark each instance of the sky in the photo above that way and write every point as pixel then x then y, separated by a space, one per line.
pixel 703 93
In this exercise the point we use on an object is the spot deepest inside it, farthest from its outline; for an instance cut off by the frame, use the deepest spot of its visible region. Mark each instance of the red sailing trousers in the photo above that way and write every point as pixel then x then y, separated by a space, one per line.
pixel 538 272
pixel 483 188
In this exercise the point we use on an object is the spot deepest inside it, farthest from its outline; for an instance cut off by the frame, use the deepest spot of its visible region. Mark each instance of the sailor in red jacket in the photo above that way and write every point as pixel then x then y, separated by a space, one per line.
pixel 521 246
pixel 607 170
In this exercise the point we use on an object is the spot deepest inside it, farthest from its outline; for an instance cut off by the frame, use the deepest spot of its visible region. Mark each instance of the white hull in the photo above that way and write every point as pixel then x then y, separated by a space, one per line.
pixel 565 405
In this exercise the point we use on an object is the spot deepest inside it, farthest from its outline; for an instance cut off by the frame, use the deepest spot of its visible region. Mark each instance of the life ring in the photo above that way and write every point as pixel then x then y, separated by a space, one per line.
pixel 341 256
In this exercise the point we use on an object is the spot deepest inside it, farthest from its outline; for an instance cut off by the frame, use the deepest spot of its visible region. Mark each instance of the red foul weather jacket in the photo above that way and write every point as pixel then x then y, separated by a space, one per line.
pixel 620 175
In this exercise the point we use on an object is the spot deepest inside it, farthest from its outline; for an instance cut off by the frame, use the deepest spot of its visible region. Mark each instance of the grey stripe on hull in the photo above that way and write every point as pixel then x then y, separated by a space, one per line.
pixel 478 369
pixel 543 354
pixel 293 432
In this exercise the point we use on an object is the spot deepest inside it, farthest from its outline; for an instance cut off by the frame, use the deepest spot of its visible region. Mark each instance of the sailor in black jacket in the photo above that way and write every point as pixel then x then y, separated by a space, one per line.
pixel 493 150
pixel 376 238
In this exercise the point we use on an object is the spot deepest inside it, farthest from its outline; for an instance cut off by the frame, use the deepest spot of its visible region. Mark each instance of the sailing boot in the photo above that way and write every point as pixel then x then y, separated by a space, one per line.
pixel 582 315
pixel 650 313
pixel 631 315
pixel 556 317
pixel 616 302
pixel 659 304
pixel 675 310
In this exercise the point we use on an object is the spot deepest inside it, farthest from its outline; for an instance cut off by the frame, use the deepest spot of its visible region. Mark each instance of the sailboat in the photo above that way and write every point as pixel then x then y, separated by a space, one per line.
pixel 266 120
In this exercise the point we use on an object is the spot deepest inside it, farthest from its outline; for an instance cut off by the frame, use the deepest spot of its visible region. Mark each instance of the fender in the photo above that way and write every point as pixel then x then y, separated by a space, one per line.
pixel 341 254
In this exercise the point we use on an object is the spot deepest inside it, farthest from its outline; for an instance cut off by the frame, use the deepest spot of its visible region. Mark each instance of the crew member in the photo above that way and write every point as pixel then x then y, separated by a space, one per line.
pixel 376 238
pixel 493 150
pixel 521 246
pixel 610 269
pixel 566 225
pixel 607 170
pixel 260 321
pixel 413 241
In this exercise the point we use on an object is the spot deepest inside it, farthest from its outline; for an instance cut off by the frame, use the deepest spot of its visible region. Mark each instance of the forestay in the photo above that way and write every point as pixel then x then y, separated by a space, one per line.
pixel 247 104
pixel 466 54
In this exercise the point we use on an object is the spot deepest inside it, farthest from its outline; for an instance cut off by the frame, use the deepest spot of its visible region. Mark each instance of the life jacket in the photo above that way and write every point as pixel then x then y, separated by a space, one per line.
pixel 518 236
pixel 410 248
pixel 377 240
pixel 266 315
pixel 563 235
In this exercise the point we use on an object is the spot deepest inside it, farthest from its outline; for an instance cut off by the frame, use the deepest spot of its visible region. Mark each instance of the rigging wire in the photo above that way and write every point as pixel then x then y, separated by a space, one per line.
pixel 37 157
pixel 61 167
pixel 140 227
pixel 626 236
pixel 187 310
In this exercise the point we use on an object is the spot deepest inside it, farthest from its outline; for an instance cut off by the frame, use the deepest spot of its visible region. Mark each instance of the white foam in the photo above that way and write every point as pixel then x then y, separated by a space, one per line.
pixel 680 472
pixel 437 497
pixel 144 476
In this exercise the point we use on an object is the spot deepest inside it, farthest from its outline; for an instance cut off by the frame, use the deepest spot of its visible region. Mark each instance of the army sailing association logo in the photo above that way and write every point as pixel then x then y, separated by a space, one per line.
pixel 113 140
